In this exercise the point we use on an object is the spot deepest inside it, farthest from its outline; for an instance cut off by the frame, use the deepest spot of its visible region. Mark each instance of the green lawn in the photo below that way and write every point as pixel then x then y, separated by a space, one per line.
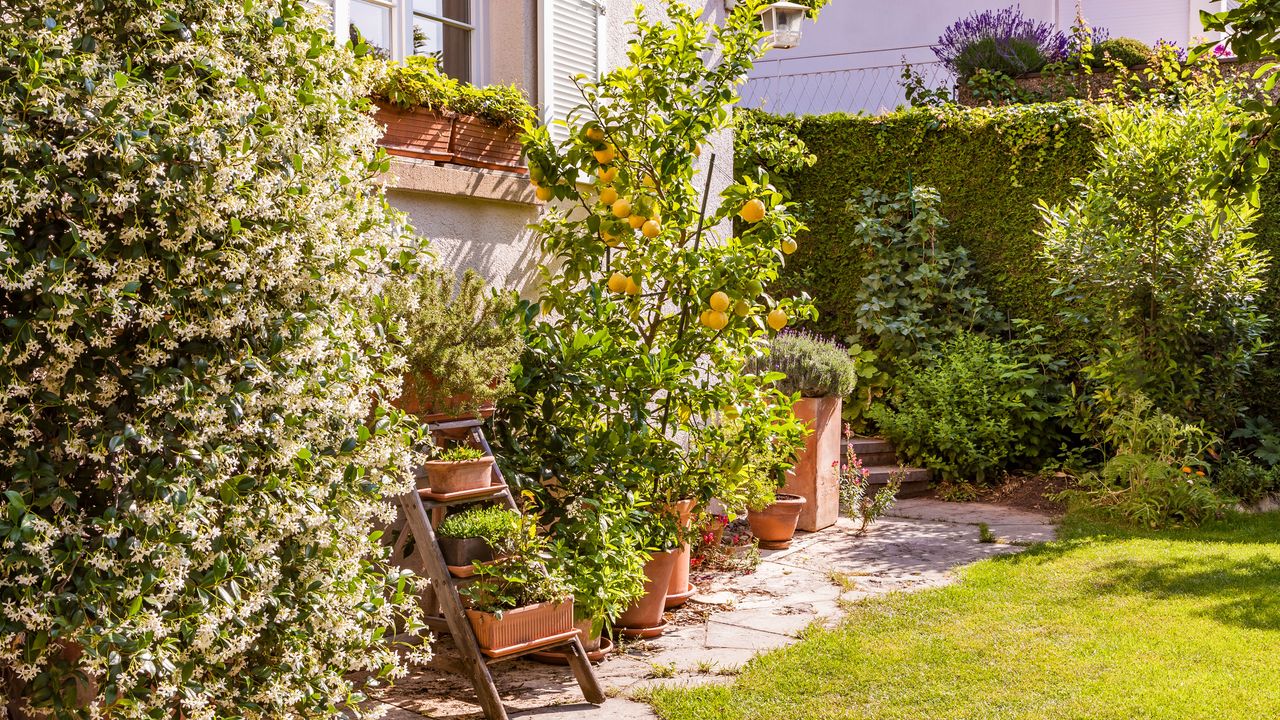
pixel 1105 623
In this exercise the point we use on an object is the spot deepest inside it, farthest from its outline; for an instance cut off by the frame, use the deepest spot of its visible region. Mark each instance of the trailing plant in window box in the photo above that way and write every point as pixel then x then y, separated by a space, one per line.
pixel 463 341
pixel 195 436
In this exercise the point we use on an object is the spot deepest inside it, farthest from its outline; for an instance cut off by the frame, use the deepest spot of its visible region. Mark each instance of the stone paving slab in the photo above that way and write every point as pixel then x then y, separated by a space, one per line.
pixel 915 547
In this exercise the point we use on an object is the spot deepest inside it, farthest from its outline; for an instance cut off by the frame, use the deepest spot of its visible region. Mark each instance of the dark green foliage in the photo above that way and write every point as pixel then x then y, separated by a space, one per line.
pixel 1126 51
pixel 496 524
pixel 1244 479
pixel 977 407
pixel 990 166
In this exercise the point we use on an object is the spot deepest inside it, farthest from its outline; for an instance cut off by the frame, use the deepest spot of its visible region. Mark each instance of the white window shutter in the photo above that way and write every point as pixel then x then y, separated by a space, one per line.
pixel 571 41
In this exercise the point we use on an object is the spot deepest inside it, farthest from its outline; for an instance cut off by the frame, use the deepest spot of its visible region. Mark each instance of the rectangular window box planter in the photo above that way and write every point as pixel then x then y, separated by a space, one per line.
pixel 416 132
pixel 523 628
pixel 479 144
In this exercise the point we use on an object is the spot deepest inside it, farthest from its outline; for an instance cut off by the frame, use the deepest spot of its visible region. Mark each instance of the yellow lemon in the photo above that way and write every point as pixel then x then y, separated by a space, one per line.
pixel 754 288
pixel 604 154
pixel 618 282
pixel 719 301
pixel 608 196
pixel 607 174
pixel 610 239
pixel 648 181
pixel 742 308
pixel 544 193
pixel 595 134
pixel 715 319
pixel 621 208
pixel 633 287
pixel 752 210
pixel 636 221
pixel 697 151
pixel 789 246
pixel 731 412
pixel 777 319
pixel 651 229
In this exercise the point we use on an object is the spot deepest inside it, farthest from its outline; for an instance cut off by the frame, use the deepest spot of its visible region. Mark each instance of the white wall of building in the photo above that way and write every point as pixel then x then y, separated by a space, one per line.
pixel 850 59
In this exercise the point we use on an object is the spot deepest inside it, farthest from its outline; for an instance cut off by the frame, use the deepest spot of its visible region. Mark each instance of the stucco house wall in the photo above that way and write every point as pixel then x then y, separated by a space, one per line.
pixel 479 218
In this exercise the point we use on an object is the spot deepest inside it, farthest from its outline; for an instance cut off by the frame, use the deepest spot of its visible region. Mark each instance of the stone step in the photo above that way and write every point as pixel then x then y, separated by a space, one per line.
pixel 915 483
pixel 871 451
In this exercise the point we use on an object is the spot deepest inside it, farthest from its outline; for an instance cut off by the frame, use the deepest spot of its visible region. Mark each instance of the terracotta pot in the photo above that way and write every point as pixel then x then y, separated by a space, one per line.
pixel 416 132
pixel 450 477
pixel 678 588
pixel 646 612
pixel 464 551
pixel 521 626
pixel 480 144
pixel 775 525
pixel 815 477
pixel 447 409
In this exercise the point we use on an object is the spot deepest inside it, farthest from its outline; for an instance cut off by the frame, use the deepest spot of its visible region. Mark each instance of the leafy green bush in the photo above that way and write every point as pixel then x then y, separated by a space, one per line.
pixel 813 366
pixel 914 294
pixel 1157 271
pixel 528 574
pixel 417 82
pixel 498 525
pixel 1244 479
pixel 974 408
pixel 195 433
pixel 1126 51
pixel 1155 475
pixel 463 339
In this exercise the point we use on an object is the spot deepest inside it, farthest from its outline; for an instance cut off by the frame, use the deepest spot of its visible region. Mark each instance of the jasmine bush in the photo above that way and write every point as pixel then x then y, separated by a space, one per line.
pixel 195 438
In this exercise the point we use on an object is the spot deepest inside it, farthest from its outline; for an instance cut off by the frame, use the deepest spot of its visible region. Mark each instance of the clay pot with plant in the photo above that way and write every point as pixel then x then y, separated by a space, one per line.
pixel 821 373
pixel 456 469
pixel 462 343
pixel 476 535
pixel 520 601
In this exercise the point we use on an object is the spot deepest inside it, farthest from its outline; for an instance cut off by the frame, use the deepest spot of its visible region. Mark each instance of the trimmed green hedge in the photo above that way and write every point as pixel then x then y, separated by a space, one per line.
pixel 991 165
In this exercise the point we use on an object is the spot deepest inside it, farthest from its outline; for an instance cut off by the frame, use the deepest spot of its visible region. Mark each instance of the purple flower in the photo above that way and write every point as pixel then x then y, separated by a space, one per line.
pixel 1000 40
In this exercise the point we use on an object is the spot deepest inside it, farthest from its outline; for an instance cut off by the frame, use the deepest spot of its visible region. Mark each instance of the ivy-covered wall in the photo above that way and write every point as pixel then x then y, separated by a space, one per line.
pixel 992 166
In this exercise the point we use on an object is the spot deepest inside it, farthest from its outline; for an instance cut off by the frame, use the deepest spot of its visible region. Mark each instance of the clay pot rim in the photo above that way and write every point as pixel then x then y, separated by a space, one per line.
pixel 486 460
pixel 788 499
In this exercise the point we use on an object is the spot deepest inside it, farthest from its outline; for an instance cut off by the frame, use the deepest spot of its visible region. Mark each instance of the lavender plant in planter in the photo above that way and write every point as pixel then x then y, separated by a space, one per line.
pixel 1004 41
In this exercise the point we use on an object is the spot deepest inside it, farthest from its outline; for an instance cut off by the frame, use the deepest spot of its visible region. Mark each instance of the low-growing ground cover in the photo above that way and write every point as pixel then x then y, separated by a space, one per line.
pixel 1104 623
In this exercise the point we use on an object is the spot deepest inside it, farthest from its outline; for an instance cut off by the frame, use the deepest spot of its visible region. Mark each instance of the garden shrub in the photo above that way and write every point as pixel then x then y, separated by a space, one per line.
pixel 1244 479
pixel 194 436
pixel 1157 271
pixel 1003 41
pixel 1156 473
pixel 812 366
pixel 1126 51
pixel 975 407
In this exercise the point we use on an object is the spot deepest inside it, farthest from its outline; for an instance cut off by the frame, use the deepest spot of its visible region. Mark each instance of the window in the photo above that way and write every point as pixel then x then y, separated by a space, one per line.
pixel 572 42
pixel 443 29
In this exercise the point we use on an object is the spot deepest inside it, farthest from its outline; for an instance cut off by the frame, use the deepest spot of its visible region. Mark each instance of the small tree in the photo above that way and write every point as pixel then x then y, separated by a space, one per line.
pixel 634 376
pixel 1159 271
pixel 194 437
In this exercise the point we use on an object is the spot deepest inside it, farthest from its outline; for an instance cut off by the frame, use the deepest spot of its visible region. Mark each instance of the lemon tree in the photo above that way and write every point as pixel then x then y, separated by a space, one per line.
pixel 650 305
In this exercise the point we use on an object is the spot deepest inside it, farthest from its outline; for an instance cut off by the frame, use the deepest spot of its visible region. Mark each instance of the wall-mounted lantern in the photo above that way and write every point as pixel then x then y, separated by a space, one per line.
pixel 782 21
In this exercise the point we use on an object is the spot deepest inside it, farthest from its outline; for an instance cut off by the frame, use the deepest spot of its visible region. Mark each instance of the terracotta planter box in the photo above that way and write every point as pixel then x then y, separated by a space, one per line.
pixel 461 552
pixel 449 409
pixel 815 476
pixel 479 144
pixel 521 627
pixel 416 132
pixel 459 476
pixel 775 525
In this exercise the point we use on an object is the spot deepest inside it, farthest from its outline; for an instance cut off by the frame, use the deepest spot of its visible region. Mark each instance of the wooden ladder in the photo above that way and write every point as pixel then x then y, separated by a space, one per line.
pixel 445 613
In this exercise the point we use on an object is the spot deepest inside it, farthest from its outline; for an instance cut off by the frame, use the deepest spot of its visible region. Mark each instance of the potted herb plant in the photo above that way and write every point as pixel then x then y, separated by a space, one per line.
pixel 821 373
pixel 490 121
pixel 519 600
pixel 475 536
pixel 462 344
pixel 457 469
pixel 414 100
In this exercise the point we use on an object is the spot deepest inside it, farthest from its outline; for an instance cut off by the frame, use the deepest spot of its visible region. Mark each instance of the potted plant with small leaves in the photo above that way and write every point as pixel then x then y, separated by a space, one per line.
pixel 462 344
pixel 821 373
pixel 477 535
pixel 457 469
pixel 521 600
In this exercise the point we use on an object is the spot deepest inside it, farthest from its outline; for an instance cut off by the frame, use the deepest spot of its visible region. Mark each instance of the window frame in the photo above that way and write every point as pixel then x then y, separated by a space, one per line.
pixel 402 16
